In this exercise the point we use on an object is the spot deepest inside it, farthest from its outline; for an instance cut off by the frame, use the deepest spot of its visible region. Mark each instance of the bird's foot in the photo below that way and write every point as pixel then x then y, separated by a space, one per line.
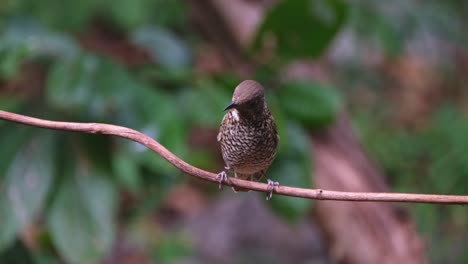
pixel 222 177
pixel 271 188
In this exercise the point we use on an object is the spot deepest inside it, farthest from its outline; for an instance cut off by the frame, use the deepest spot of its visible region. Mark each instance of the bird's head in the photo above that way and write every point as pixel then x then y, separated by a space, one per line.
pixel 249 96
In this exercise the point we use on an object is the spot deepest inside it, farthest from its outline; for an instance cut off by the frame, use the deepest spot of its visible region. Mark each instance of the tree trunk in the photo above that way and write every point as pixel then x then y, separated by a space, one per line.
pixel 359 232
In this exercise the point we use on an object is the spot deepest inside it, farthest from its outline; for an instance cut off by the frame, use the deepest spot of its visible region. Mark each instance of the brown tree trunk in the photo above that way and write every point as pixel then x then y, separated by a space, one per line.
pixel 365 232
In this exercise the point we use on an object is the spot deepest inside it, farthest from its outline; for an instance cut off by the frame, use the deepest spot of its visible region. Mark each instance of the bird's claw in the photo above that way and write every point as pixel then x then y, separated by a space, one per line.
pixel 221 178
pixel 271 187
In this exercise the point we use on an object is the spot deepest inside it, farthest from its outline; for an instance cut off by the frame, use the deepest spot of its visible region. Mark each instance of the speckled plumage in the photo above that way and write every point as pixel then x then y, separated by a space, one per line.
pixel 248 135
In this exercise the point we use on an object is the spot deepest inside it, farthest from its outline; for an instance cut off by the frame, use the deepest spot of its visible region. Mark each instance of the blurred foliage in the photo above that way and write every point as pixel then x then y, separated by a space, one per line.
pixel 77 15
pixel 440 149
pixel 429 160
pixel 71 186
pixel 312 104
pixel 71 182
pixel 293 38
pixel 394 28
pixel 75 214
pixel 431 157
pixel 294 161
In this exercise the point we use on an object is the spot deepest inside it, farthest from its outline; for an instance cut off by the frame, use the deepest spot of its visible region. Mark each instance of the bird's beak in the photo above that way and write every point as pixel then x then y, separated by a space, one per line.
pixel 230 106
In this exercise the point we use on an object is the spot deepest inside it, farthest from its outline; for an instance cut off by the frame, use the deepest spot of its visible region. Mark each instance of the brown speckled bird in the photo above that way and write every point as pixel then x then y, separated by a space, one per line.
pixel 248 135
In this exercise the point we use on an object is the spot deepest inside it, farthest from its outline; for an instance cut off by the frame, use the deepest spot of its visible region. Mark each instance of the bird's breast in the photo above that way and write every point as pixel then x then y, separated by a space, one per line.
pixel 247 146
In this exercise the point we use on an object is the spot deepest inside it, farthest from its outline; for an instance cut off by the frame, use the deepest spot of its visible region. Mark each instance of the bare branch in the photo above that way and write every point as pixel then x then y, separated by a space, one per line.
pixel 316 194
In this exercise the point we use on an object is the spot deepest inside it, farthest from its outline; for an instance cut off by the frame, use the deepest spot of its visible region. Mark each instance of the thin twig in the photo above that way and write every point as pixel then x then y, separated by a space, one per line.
pixel 316 194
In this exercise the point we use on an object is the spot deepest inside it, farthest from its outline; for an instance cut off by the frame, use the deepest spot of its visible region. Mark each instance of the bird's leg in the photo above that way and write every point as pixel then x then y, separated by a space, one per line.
pixel 222 177
pixel 271 187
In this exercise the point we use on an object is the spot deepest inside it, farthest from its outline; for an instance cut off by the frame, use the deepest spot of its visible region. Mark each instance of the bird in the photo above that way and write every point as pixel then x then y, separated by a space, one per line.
pixel 248 136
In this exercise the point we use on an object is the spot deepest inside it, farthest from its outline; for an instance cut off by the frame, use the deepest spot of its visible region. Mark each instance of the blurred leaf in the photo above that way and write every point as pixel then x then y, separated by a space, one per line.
pixel 388 36
pixel 11 144
pixel 170 13
pixel 313 104
pixel 24 189
pixel 18 253
pixel 104 90
pixel 165 77
pixel 438 149
pixel 446 146
pixel 265 73
pixel 292 167
pixel 426 217
pixel 173 247
pixel 129 14
pixel 281 119
pixel 78 15
pixel 63 15
pixel 98 149
pixel 204 104
pixel 26 39
pixel 227 81
pixel 314 26
pixel 429 159
pixel 97 87
pixel 165 48
pixel 201 158
pixel 10 103
pixel 372 24
pixel 81 218
pixel 71 83
pixel 11 60
pixel 45 259
pixel 126 168
pixel 162 120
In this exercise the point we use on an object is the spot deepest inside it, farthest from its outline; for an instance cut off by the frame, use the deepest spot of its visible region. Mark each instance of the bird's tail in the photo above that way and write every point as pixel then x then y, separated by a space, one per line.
pixel 251 177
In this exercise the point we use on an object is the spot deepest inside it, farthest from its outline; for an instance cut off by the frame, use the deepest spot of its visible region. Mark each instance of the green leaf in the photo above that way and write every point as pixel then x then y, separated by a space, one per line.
pixel 81 218
pixel 202 158
pixel 370 24
pixel 11 60
pixel 129 14
pixel 71 84
pixel 17 253
pixel 292 167
pixel 173 248
pixel 314 105
pixel 40 42
pixel 302 28
pixel 126 168
pixel 93 86
pixel 156 115
pixel 205 103
pixel 68 15
pixel 10 103
pixel 98 149
pixel 11 140
pixel 281 119
pixel 165 48
pixel 170 14
pixel 24 189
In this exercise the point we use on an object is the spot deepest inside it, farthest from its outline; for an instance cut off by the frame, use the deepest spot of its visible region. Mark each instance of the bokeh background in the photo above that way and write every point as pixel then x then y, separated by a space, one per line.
pixel 368 95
